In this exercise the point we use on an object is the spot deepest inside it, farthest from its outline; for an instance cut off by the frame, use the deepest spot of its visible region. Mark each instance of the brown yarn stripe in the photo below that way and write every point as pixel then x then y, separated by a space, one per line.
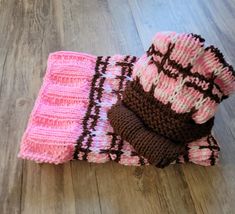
pixel 126 70
pixel 122 78
pixel 186 155
pixel 212 157
pixel 185 71
pixel 88 113
pixel 119 151
pixel 133 60
pixel 215 50
pixel 153 51
pixel 141 161
pixel 88 116
pixel 99 90
pixel 196 36
pixel 210 147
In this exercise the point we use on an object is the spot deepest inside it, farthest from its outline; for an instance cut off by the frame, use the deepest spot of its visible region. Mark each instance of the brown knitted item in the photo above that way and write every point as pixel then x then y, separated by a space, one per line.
pixel 154 129
pixel 159 150
pixel 161 118
pixel 172 99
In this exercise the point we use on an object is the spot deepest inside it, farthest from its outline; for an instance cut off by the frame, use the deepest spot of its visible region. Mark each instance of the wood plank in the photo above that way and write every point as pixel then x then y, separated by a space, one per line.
pixel 10 117
pixel 46 188
pixel 143 190
pixel 96 28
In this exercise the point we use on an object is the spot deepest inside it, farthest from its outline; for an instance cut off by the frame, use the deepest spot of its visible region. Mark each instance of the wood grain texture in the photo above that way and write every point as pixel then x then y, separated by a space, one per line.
pixel 30 30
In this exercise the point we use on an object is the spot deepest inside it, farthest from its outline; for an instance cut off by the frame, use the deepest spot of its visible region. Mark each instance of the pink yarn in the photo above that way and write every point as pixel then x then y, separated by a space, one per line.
pixel 188 51
pixel 56 120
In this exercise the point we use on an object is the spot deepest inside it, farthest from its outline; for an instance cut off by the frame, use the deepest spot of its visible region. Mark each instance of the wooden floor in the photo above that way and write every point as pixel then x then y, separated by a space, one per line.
pixel 30 30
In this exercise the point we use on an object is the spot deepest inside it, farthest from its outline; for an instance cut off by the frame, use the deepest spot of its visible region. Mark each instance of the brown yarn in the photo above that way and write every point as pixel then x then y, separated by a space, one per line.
pixel 152 128
pixel 183 71
pixel 161 118
pixel 159 150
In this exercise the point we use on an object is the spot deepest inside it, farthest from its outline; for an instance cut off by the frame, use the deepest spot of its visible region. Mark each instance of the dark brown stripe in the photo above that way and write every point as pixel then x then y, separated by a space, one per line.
pixel 122 76
pixel 206 93
pixel 212 157
pixel 130 67
pixel 178 66
pixel 111 150
pixel 126 70
pixel 141 161
pixel 114 138
pixel 186 71
pixel 201 39
pixel 123 65
pixel 99 91
pixel 153 51
pixel 119 151
pixel 89 109
pixel 186 154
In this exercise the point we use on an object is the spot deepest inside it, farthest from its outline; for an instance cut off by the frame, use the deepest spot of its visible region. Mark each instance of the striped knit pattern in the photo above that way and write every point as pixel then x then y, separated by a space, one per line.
pixel 69 119
pixel 185 74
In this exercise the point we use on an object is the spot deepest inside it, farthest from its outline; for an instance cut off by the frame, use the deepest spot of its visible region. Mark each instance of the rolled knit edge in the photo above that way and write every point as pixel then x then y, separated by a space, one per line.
pixel 157 149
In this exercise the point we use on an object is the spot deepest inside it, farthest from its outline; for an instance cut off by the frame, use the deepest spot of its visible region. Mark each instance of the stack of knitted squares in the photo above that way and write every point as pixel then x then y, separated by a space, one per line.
pixel 157 109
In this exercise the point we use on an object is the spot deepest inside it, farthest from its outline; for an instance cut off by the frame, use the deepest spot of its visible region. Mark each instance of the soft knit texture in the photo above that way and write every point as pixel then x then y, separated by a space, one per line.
pixel 131 128
pixel 177 86
pixel 57 119
pixel 69 119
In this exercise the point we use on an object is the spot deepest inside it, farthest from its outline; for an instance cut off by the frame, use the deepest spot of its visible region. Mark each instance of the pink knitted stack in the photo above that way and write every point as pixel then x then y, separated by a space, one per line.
pixel 69 119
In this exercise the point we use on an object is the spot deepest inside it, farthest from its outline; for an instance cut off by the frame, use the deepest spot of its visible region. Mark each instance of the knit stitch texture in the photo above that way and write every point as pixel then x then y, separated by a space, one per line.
pixel 177 86
pixel 69 119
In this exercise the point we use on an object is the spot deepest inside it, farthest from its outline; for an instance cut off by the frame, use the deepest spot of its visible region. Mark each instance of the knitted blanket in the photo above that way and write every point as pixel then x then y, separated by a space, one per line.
pixel 69 119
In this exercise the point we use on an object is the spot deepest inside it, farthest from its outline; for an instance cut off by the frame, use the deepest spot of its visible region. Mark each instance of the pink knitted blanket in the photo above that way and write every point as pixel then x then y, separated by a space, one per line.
pixel 69 118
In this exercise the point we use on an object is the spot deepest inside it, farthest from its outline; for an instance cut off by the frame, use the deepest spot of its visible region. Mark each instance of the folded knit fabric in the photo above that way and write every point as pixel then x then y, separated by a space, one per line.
pixel 172 101
pixel 69 119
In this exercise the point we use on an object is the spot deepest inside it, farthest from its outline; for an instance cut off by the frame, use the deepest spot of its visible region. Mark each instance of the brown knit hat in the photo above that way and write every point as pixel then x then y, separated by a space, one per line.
pixel 172 101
